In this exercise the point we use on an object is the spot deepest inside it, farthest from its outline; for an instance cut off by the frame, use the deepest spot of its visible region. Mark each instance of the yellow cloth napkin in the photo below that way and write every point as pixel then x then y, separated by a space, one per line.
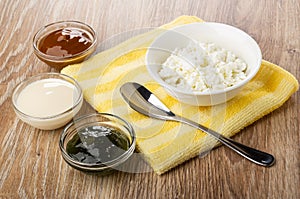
pixel 167 144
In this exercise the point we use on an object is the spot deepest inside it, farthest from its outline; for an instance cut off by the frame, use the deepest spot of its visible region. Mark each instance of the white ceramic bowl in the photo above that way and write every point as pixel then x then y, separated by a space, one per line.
pixel 222 35
pixel 53 121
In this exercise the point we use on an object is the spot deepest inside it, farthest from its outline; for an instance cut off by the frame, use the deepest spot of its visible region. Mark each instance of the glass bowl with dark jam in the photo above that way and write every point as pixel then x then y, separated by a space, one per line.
pixel 63 43
pixel 97 143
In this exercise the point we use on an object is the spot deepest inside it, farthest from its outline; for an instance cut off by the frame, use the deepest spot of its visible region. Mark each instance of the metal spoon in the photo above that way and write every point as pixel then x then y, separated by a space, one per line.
pixel 143 101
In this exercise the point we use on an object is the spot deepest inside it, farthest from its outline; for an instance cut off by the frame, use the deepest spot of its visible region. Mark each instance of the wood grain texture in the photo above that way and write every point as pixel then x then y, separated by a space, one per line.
pixel 30 161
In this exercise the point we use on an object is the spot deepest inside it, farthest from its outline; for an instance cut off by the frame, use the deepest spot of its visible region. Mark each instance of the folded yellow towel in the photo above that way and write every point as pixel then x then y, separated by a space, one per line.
pixel 167 144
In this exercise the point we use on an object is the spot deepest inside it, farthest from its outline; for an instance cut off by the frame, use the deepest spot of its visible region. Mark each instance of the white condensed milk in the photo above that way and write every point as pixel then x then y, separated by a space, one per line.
pixel 47 101
pixel 47 97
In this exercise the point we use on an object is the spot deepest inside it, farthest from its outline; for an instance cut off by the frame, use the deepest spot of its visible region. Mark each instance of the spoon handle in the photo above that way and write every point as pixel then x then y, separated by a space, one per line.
pixel 254 155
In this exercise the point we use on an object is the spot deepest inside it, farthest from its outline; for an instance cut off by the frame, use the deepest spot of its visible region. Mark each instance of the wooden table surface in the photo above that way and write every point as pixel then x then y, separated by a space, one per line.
pixel 30 162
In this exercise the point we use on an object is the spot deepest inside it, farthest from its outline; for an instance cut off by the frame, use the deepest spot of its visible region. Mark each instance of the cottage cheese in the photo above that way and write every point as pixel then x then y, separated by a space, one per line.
pixel 203 67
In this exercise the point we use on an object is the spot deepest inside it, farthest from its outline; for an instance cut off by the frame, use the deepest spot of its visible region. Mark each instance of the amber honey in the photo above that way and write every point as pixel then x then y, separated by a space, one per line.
pixel 65 42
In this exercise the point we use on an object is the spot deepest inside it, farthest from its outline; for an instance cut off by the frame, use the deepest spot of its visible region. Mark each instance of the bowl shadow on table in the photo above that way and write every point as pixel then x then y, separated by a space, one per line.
pixel 135 164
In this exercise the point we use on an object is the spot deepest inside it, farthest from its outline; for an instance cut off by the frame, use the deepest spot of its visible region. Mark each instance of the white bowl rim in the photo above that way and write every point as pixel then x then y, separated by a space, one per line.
pixel 210 92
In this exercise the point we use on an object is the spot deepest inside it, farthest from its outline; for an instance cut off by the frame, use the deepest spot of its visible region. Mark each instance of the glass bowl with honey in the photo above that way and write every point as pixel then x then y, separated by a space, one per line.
pixel 97 143
pixel 63 43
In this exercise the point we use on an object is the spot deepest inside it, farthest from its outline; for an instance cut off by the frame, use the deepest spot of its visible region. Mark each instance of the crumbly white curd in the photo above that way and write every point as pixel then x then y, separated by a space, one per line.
pixel 203 67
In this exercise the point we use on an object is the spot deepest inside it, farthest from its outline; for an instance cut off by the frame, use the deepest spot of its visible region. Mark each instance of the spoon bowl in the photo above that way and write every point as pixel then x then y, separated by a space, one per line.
pixel 145 102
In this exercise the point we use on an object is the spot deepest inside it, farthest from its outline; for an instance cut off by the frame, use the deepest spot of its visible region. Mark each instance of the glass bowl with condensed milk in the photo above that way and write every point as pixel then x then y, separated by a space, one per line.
pixel 47 101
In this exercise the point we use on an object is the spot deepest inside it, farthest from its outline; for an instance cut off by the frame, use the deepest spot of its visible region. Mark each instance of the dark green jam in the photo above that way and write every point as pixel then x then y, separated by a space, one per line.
pixel 97 144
